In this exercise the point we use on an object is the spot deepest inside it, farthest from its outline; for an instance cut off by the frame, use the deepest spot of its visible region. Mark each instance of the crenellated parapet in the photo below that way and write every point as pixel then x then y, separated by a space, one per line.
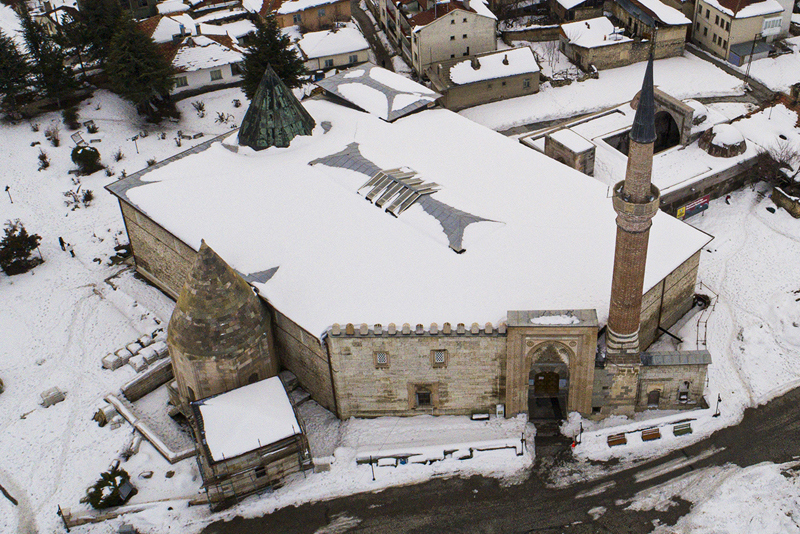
pixel 406 330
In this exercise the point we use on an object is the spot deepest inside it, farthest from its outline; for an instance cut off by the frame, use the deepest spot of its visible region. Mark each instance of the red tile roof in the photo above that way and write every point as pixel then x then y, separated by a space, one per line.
pixel 737 5
pixel 437 11
pixel 148 26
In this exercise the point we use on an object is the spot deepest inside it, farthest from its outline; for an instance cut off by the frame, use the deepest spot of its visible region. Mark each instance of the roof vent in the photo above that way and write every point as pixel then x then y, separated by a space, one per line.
pixel 398 189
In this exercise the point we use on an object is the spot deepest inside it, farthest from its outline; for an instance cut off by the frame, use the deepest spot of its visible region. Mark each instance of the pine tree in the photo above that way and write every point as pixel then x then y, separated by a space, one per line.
pixel 138 72
pixel 16 248
pixel 14 70
pixel 100 22
pixel 51 76
pixel 271 46
pixel 74 38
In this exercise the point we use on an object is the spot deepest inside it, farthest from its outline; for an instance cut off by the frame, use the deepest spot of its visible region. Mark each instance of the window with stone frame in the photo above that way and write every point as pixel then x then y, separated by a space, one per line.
pixel 216 75
pixel 381 359
pixel 423 398
pixel 439 358
pixel 181 81
pixel 328 63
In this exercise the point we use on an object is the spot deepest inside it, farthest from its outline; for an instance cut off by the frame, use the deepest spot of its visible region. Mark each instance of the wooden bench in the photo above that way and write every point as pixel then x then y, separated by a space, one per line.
pixel 650 434
pixel 682 428
pixel 616 439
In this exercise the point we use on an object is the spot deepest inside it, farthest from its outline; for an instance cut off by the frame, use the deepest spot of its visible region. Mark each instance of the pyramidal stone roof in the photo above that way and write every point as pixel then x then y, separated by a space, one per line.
pixel 274 117
pixel 644 124
pixel 217 313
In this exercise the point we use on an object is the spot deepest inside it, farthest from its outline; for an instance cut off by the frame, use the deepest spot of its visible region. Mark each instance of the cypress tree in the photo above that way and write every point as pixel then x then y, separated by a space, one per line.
pixel 14 70
pixel 271 46
pixel 139 73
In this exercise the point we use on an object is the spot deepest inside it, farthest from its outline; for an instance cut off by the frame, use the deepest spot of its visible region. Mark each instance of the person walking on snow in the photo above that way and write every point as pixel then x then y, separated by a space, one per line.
pixel 61 242
pixel 70 250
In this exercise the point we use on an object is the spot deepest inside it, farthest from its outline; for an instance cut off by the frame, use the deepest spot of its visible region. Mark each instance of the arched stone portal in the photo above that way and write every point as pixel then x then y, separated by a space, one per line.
pixel 668 134
pixel 548 380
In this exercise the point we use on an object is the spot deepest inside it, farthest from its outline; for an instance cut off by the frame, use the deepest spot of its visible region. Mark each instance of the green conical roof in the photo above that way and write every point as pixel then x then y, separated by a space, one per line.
pixel 274 117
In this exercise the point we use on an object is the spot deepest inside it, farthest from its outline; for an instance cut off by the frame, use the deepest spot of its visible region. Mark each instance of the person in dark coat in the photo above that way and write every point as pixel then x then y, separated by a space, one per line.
pixel 61 242
pixel 70 250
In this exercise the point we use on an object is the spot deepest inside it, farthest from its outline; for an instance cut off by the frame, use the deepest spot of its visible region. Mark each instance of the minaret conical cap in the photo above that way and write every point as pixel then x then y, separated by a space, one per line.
pixel 644 123
pixel 217 313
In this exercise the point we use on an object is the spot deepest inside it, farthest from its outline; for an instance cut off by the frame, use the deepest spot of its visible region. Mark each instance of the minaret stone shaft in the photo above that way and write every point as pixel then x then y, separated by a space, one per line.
pixel 636 201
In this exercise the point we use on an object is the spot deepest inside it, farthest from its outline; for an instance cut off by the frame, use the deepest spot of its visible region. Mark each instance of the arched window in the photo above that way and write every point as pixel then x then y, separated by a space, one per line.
pixel 191 394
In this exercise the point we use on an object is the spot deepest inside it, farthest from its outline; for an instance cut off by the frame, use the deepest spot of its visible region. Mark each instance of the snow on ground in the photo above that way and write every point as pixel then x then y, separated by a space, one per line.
pixel 60 319
pixel 777 73
pixel 612 88
pixel 730 499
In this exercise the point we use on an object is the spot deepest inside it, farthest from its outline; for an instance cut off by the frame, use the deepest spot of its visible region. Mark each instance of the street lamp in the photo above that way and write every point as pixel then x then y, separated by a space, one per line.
pixel 9 194
pixel 719 399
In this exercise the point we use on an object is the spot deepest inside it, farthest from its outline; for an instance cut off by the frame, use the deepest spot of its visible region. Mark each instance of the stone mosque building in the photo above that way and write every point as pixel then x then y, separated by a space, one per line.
pixel 493 260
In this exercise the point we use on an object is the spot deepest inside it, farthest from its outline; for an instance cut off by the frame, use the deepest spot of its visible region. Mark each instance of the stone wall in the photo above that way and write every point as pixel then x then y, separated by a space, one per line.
pixel 457 97
pixel 538 34
pixel 160 257
pixel 471 379
pixel 671 41
pixel 302 353
pixel 668 380
pixel 668 301
pixel 317 17
pixel 580 161
pixel 624 385
pixel 143 384
pixel 789 203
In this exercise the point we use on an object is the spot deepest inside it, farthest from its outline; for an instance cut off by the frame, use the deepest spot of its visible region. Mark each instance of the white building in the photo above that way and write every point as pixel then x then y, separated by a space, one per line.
pixel 428 32
pixel 204 61
pixel 333 48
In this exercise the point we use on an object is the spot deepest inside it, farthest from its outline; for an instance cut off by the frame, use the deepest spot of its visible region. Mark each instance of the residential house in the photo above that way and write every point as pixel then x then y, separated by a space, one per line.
pixel 310 15
pixel 636 28
pixel 737 29
pixel 333 48
pixel 570 10
pixel 427 32
pixel 204 62
pixel 485 78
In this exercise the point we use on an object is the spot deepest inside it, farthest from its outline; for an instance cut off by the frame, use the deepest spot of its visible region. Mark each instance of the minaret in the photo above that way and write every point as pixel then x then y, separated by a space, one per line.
pixel 636 201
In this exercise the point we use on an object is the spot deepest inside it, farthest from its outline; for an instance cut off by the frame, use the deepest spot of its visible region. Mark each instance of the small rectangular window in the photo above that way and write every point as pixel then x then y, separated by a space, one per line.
pixel 381 359
pixel 465 19
pixel 353 58
pixel 705 31
pixel 236 69
pixel 216 75
pixel 503 84
pixel 181 81
pixel 728 26
pixel 488 86
pixel 452 37
pixel 261 471
pixel 725 44
pixel 297 18
pixel 707 13
pixel 464 36
pixel 717 20
pixel 714 39
pixel 526 83
pixel 321 12
pixel 439 358
pixel 328 63
pixel 452 21
pixel 423 398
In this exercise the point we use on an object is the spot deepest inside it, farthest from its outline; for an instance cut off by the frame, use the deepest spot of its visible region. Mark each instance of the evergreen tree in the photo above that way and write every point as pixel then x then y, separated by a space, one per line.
pixel 271 46
pixel 74 38
pixel 99 24
pixel 16 248
pixel 138 72
pixel 51 76
pixel 14 70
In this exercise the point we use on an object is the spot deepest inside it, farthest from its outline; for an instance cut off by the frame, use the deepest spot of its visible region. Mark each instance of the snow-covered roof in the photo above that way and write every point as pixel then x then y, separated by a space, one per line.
pixel 725 135
pixel 11 25
pixel 571 140
pixel 496 65
pixel 237 29
pixel 222 15
pixel 201 52
pixel 329 43
pixel 592 33
pixel 742 9
pixel 171 6
pixel 169 26
pixel 569 4
pixel 379 91
pixel 341 259
pixel 666 14
pixel 247 418
pixel 293 6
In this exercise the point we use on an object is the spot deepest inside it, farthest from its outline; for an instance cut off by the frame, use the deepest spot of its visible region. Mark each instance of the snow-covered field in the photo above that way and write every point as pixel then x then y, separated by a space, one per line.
pixel 57 321
pixel 612 88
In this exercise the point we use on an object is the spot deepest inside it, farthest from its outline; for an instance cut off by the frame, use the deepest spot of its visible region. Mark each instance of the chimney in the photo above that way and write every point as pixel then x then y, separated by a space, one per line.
pixel 505 59
pixel 475 63
pixel 197 29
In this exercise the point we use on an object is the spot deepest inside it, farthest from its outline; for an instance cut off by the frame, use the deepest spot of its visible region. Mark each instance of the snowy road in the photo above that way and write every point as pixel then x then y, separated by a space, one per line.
pixel 769 433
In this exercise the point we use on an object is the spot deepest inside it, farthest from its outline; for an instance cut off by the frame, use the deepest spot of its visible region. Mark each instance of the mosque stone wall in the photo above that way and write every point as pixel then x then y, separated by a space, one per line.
pixel 469 376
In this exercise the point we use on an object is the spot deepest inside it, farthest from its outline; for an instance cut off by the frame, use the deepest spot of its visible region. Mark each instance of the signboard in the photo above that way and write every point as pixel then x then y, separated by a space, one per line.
pixel 693 208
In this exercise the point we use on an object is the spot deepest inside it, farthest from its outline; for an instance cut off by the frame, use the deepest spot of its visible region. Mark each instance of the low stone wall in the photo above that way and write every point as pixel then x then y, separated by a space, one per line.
pixel 537 34
pixel 140 386
pixel 787 202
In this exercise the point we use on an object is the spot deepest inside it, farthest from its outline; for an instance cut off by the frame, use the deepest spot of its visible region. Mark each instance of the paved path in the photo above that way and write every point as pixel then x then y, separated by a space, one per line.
pixel 478 505
pixel 383 58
